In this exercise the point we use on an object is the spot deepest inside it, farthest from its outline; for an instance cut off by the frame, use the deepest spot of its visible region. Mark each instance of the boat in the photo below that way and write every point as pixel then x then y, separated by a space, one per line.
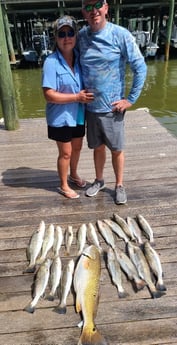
pixel 144 42
pixel 151 49
pixel 38 47
pixel 173 39
pixel 140 29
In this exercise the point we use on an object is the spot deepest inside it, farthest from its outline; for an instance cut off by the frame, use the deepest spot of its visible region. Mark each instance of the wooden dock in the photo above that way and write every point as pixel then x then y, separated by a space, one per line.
pixel 28 194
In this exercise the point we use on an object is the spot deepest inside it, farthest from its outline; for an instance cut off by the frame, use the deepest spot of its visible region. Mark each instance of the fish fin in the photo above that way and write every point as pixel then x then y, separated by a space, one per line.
pixel 86 263
pixel 91 337
pixel 78 306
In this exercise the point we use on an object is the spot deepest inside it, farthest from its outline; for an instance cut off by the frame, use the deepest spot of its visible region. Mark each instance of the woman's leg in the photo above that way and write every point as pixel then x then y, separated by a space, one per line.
pixel 76 144
pixel 63 163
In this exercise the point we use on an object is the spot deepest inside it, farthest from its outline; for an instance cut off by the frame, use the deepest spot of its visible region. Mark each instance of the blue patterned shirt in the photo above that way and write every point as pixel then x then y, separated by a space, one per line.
pixel 103 57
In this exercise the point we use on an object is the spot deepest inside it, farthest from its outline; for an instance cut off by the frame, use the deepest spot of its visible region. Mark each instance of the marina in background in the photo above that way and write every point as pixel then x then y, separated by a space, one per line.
pixel 31 25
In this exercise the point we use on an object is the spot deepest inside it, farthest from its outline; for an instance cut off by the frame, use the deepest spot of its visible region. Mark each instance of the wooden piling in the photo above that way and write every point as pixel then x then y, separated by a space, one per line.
pixel 7 94
pixel 8 36
pixel 169 29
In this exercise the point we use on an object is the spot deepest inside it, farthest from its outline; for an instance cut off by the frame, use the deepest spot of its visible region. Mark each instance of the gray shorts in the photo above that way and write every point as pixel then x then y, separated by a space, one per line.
pixel 105 128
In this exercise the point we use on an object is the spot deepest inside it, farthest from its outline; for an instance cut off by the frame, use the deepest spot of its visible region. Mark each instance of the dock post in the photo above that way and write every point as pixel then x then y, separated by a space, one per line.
pixel 8 35
pixel 169 29
pixel 7 93
pixel 116 10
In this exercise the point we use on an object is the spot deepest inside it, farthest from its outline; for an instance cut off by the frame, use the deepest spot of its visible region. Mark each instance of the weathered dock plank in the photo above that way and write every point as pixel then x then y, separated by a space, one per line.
pixel 28 194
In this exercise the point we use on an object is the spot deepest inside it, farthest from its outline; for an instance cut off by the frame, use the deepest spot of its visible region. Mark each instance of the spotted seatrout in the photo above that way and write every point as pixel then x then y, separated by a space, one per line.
pixel 115 272
pixel 143 269
pixel 34 247
pixel 58 239
pixel 65 287
pixel 55 275
pixel 155 265
pixel 81 238
pixel 129 268
pixel 106 232
pixel 145 226
pixel 68 238
pixel 92 236
pixel 47 243
pixel 40 284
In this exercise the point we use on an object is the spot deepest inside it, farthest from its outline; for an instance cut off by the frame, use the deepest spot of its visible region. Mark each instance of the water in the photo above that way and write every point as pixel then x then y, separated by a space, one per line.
pixel 159 93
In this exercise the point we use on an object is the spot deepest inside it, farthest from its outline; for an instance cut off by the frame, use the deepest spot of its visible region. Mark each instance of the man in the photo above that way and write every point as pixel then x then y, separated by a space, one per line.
pixel 105 48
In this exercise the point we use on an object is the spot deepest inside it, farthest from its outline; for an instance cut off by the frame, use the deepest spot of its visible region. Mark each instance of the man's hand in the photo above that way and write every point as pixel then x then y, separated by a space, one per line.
pixel 121 105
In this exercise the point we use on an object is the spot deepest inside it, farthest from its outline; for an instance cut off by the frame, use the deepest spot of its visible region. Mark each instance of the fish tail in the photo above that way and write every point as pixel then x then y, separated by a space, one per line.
pixel 29 308
pixel 157 294
pixel 50 297
pixel 91 337
pixel 141 246
pixel 61 309
pixel 161 287
pixel 122 294
pixel 152 243
pixel 30 269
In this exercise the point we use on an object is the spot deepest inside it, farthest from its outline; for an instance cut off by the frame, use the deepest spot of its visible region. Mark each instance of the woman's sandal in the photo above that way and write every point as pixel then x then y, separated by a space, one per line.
pixel 77 181
pixel 69 195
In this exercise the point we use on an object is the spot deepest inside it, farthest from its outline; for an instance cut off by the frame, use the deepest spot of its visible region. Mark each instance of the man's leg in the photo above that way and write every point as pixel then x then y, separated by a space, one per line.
pixel 99 162
pixel 118 166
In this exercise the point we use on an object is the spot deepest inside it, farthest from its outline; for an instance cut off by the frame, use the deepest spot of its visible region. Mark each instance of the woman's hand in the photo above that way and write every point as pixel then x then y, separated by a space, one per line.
pixel 84 96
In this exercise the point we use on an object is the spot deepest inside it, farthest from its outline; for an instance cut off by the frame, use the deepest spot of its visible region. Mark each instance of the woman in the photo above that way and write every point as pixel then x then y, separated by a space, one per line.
pixel 62 87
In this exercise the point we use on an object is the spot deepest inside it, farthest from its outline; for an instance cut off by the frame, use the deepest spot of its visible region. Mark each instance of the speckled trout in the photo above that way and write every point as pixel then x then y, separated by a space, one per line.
pixel 86 286
pixel 40 284
pixel 34 247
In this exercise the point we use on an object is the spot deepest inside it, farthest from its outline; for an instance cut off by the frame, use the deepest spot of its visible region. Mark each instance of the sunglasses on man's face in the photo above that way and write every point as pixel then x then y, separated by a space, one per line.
pixel 97 6
pixel 63 34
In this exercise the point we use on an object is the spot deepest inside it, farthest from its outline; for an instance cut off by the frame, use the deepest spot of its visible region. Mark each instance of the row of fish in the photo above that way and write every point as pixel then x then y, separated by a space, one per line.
pixel 138 263
pixel 43 239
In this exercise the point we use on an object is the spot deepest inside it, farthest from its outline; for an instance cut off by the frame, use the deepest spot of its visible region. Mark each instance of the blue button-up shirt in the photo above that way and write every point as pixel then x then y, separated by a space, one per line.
pixel 58 76
pixel 103 57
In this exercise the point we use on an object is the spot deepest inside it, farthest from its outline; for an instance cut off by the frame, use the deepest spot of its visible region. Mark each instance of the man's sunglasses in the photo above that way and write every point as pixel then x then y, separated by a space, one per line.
pixel 97 6
pixel 63 34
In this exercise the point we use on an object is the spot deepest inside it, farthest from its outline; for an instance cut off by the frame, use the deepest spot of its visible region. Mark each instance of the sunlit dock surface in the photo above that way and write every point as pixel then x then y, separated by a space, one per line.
pixel 28 194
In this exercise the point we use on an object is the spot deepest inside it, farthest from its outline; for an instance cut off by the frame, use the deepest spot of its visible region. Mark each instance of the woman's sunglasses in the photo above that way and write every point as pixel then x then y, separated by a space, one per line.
pixel 63 34
pixel 89 7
